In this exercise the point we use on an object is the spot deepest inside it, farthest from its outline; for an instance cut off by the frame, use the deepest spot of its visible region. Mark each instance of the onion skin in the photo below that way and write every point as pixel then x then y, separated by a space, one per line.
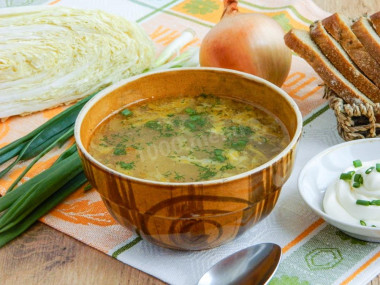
pixel 251 43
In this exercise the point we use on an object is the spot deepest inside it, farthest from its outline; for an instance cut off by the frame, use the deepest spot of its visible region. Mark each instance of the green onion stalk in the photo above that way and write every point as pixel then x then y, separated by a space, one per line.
pixel 24 203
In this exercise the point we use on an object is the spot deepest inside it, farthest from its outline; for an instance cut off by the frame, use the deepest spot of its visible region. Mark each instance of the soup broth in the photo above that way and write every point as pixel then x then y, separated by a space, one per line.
pixel 188 139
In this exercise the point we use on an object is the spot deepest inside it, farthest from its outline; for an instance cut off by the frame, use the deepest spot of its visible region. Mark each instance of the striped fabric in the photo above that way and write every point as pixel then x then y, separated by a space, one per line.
pixel 313 251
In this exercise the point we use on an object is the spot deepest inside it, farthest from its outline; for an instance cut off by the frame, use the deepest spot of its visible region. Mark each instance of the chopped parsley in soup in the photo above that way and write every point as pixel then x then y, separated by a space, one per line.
pixel 188 139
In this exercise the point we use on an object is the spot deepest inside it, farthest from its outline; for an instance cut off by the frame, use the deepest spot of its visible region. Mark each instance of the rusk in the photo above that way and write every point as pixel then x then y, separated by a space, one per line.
pixel 368 37
pixel 301 43
pixel 342 62
pixel 338 26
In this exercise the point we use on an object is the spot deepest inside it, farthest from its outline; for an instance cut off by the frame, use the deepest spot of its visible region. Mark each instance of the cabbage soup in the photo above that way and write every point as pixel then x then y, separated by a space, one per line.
pixel 188 139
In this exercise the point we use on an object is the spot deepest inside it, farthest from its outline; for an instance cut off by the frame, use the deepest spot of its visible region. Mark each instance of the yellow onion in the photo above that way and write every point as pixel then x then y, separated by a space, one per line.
pixel 247 42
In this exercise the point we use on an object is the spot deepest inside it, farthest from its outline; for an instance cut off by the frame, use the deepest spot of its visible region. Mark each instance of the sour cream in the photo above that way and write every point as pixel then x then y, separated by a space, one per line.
pixel 340 200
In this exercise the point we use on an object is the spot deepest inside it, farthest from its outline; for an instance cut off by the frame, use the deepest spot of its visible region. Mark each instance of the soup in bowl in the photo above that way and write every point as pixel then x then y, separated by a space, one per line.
pixel 189 158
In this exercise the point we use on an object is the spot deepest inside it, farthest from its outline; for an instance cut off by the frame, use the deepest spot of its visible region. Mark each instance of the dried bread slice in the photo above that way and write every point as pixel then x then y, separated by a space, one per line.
pixel 301 43
pixel 338 26
pixel 375 20
pixel 368 37
pixel 342 62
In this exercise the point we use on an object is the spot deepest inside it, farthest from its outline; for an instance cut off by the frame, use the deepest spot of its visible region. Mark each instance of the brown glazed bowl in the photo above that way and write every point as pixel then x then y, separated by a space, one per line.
pixel 194 215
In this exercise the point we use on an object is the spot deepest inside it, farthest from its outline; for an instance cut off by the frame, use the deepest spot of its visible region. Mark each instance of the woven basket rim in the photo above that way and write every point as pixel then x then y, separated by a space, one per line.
pixel 354 121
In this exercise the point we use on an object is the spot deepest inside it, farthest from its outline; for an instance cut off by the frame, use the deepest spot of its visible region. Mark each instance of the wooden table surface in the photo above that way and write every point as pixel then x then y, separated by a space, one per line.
pixel 45 256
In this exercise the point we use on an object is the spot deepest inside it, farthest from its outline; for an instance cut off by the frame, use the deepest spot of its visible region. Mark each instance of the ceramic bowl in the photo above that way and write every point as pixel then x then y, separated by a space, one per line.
pixel 326 167
pixel 197 215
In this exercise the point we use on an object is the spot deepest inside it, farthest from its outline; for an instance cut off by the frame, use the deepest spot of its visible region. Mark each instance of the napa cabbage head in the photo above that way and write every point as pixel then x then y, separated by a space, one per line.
pixel 55 55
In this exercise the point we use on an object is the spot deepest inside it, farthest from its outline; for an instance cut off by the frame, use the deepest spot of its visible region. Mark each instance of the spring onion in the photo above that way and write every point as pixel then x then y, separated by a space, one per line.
pixel 363 202
pixel 69 133
pixel 26 146
pixel 369 170
pixel 357 163
pixel 358 178
pixel 347 175
pixel 53 178
pixel 43 208
pixel 368 203
pixel 174 47
pixel 356 184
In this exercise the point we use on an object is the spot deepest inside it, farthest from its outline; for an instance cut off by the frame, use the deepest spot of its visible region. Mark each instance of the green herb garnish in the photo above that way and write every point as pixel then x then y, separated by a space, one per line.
pixel 356 185
pixel 167 174
pixel 357 163
pixel 178 176
pixel 239 145
pixel 369 170
pixel 378 167
pixel 191 126
pixel 190 111
pixel 347 175
pixel 119 151
pixel 358 178
pixel 126 112
pixel 239 131
pixel 125 165
pixel 218 155
pixel 368 203
pixel 195 123
pixel 227 167
pixel 363 202
pixel 237 136
pixel 137 146
pixel 205 172
pixel 363 223
pixel 176 122
pixel 154 125
pixel 169 128
pixel 106 140
pixel 195 117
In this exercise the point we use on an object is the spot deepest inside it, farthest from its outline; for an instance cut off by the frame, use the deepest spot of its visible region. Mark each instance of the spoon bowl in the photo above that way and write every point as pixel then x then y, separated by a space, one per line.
pixel 253 265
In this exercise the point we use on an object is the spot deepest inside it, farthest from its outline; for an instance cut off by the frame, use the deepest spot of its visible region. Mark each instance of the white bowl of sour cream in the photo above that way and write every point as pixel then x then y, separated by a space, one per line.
pixel 346 194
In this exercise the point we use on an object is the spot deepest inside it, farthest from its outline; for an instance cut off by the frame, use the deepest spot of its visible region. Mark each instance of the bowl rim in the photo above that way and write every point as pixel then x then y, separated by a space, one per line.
pixel 319 212
pixel 107 90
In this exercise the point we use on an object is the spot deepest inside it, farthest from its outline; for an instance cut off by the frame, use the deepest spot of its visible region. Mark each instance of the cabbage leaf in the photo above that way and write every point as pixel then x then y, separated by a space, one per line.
pixel 55 55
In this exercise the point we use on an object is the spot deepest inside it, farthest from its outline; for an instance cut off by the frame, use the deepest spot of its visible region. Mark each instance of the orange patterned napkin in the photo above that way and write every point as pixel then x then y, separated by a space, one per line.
pixel 314 252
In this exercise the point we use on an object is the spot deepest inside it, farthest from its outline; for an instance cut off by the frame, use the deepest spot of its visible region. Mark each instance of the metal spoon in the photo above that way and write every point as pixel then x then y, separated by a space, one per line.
pixel 253 265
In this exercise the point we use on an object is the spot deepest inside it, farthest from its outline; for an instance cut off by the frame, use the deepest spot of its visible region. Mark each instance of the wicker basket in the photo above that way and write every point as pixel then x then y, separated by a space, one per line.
pixel 354 121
